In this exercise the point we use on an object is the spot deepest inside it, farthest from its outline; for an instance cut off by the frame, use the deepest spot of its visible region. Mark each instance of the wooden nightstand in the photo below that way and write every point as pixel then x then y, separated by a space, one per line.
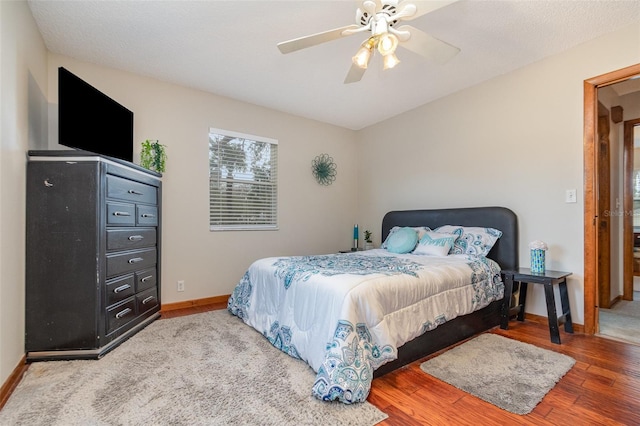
pixel 548 279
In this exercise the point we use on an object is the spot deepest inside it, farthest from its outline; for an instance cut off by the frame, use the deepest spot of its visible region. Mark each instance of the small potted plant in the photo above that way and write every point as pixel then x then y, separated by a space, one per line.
pixel 368 244
pixel 153 156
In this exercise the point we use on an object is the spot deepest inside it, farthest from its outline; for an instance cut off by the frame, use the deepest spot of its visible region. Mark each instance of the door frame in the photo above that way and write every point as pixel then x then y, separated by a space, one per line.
pixel 603 153
pixel 628 235
pixel 590 158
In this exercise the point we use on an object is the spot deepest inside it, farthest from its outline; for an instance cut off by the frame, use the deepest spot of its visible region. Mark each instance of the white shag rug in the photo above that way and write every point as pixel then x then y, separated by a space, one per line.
pixel 202 369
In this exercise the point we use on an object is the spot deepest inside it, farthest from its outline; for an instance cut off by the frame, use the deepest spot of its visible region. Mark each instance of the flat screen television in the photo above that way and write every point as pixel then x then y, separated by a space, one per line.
pixel 89 120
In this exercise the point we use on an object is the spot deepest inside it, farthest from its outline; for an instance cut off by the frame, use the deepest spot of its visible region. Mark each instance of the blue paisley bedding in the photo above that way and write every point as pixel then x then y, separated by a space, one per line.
pixel 347 314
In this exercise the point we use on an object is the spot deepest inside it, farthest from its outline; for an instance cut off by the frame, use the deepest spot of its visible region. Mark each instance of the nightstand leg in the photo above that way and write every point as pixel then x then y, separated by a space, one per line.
pixel 552 314
pixel 566 310
pixel 522 299
pixel 506 301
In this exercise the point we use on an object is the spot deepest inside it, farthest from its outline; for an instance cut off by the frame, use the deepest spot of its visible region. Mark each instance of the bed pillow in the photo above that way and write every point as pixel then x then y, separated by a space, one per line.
pixel 471 239
pixel 402 241
pixel 420 230
pixel 435 244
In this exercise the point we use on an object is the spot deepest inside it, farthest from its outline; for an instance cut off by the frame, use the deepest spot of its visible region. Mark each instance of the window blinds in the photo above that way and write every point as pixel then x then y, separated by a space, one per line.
pixel 243 177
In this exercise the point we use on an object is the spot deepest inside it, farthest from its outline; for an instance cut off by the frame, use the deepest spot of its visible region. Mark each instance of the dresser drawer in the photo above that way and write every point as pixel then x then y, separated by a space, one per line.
pixel 124 189
pixel 130 238
pixel 121 263
pixel 120 288
pixel 145 279
pixel 120 314
pixel 147 300
pixel 121 214
pixel 147 215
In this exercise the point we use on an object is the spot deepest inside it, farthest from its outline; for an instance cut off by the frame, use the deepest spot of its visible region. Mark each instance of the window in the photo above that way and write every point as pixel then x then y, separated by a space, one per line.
pixel 243 181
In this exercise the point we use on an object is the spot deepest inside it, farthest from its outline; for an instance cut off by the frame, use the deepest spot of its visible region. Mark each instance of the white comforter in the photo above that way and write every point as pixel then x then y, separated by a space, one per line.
pixel 346 314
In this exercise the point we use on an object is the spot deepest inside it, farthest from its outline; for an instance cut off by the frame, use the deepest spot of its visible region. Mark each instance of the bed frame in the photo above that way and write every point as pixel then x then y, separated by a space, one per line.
pixel 505 252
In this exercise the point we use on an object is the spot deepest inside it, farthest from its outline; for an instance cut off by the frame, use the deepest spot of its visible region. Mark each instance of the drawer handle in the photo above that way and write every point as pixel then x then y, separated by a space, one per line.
pixel 135 260
pixel 136 238
pixel 121 288
pixel 146 278
pixel 147 300
pixel 148 215
pixel 121 214
pixel 134 192
pixel 122 313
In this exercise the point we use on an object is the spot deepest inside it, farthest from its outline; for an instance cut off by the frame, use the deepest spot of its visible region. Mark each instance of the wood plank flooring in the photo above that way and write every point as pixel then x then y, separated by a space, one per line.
pixel 603 388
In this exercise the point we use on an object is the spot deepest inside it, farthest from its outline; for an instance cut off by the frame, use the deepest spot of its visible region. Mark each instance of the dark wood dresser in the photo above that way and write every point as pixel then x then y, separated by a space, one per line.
pixel 92 253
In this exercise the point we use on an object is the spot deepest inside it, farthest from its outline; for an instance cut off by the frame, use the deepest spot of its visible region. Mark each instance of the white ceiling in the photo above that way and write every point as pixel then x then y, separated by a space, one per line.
pixel 229 48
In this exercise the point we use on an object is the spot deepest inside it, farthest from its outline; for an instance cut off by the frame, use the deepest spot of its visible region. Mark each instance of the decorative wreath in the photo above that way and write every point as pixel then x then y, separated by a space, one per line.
pixel 324 169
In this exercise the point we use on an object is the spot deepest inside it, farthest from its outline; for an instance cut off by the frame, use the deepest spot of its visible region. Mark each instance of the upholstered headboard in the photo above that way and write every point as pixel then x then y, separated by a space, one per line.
pixel 505 251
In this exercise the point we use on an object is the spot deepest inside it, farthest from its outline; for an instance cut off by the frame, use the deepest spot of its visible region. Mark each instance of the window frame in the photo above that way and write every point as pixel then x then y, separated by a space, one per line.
pixel 273 226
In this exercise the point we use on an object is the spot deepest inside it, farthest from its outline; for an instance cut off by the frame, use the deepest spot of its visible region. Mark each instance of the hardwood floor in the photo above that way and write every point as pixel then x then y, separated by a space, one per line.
pixel 603 388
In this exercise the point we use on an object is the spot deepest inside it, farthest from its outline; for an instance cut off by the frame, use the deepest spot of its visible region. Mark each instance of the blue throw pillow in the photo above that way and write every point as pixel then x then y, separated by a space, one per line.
pixel 402 241
pixel 421 230
pixel 435 244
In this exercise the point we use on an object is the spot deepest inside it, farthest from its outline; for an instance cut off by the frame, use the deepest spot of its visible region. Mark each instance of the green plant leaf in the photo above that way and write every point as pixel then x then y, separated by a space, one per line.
pixel 153 155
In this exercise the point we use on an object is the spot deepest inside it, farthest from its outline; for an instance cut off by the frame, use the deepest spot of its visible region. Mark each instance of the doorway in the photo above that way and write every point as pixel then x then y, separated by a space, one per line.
pixel 593 234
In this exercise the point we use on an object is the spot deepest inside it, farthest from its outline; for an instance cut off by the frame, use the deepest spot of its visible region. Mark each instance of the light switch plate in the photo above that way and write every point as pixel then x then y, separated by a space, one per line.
pixel 571 196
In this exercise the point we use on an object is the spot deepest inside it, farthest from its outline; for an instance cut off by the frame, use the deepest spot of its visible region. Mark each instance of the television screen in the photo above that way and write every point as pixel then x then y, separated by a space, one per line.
pixel 91 121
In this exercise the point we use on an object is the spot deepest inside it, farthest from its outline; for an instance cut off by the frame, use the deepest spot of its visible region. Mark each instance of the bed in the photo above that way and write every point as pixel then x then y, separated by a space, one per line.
pixel 356 316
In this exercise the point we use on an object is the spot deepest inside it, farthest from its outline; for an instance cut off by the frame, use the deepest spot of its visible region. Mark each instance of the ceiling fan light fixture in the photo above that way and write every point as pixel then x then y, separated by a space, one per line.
pixel 361 58
pixel 389 61
pixel 387 43
pixel 381 21
pixel 363 55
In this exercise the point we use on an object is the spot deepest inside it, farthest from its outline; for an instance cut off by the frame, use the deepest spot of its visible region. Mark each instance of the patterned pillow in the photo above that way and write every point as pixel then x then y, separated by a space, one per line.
pixel 419 229
pixel 471 240
pixel 402 241
pixel 435 244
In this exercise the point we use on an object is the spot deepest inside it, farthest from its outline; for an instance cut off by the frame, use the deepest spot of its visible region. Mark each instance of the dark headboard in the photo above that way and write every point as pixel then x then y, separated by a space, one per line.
pixel 505 251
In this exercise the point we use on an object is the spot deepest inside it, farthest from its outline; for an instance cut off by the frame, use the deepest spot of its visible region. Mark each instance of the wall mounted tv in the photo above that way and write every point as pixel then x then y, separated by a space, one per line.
pixel 89 120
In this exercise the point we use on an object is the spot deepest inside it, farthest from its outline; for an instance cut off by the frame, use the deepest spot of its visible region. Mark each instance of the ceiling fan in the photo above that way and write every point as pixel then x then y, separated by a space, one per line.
pixel 379 18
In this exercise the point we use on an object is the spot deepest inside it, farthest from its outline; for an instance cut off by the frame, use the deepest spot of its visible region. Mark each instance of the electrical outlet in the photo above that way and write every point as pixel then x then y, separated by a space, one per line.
pixel 180 285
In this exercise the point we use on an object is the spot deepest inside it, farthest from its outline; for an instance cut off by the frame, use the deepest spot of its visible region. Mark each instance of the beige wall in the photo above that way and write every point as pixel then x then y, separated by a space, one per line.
pixel 514 141
pixel 23 84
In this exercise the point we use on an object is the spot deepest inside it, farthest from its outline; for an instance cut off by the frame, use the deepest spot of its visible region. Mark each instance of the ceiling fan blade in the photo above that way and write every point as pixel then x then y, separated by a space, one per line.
pixel 355 74
pixel 421 8
pixel 314 39
pixel 425 45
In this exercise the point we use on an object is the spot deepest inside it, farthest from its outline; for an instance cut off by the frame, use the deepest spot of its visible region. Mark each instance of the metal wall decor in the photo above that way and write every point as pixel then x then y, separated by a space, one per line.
pixel 324 169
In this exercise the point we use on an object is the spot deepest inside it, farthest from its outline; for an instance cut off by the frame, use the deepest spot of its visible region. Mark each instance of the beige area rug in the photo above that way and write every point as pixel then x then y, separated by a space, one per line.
pixel 512 375
pixel 203 369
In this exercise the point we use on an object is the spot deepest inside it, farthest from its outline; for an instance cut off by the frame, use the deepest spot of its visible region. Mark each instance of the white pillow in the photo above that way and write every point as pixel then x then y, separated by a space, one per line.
pixel 435 244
